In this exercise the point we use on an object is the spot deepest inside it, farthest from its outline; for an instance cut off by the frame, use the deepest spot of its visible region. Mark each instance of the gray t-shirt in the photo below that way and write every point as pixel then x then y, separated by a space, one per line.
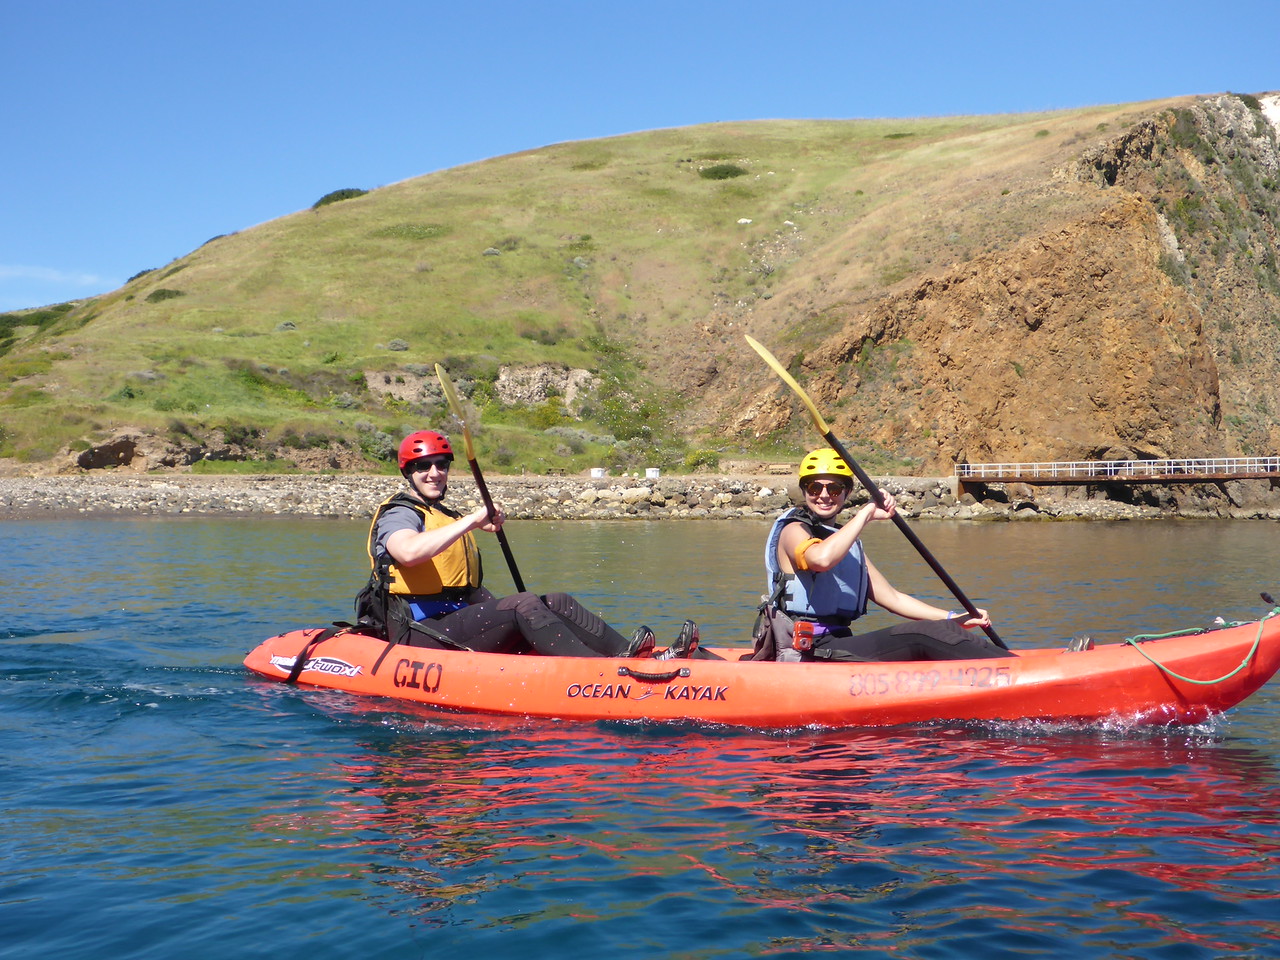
pixel 397 517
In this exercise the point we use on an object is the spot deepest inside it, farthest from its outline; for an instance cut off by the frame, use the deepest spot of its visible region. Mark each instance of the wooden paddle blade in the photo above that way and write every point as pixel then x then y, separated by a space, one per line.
pixel 455 404
pixel 790 381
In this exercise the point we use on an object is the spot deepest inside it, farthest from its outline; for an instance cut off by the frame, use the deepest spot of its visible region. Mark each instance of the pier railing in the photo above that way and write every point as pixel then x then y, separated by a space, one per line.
pixel 1189 470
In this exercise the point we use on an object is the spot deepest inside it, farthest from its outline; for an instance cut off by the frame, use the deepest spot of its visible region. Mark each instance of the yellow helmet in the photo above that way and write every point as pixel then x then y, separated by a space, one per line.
pixel 824 463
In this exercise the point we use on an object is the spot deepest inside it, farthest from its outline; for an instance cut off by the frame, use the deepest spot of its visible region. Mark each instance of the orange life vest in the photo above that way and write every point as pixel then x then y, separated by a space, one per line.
pixel 453 572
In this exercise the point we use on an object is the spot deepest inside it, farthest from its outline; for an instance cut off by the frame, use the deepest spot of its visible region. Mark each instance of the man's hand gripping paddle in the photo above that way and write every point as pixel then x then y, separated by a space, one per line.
pixel 872 489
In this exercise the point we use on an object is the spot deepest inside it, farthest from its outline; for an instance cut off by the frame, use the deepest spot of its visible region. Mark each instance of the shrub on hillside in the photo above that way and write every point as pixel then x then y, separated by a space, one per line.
pixel 721 171
pixel 579 437
pixel 547 337
pixel 241 434
pixel 163 293
pixel 35 318
pixel 378 445
pixel 347 193
pixel 629 417
pixel 709 459
pixel 308 440
pixel 412 231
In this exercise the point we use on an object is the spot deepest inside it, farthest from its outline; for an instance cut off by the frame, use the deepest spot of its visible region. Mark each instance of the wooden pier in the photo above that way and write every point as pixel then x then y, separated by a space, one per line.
pixel 1077 472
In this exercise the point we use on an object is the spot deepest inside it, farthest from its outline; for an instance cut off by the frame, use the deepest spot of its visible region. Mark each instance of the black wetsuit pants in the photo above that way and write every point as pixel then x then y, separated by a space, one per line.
pixel 914 640
pixel 553 625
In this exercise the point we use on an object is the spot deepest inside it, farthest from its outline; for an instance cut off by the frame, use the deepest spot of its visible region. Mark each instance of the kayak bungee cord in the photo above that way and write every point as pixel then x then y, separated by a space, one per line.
pixel 1142 638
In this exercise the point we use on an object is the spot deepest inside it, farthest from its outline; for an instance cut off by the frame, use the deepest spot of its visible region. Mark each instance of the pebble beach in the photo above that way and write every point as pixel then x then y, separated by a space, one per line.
pixel 348 496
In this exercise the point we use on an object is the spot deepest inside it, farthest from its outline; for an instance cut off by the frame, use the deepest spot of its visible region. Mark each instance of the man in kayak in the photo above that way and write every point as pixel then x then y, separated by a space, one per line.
pixel 821 579
pixel 426 568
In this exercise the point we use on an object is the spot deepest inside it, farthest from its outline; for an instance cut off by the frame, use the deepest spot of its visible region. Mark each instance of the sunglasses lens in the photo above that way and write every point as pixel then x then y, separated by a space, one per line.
pixel 426 463
pixel 818 487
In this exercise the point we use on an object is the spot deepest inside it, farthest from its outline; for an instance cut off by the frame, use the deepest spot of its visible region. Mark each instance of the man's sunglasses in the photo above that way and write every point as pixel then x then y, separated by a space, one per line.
pixel 423 464
pixel 816 488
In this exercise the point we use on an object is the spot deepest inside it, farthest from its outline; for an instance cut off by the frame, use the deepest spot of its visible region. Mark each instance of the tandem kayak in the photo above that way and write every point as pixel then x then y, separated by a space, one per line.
pixel 1178 679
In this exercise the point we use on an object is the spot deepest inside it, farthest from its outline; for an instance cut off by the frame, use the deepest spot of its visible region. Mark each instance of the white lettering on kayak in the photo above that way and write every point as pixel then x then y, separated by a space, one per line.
pixel 331 665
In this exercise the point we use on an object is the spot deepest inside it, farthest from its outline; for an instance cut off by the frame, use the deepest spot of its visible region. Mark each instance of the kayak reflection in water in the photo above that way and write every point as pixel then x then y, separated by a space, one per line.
pixel 821 580
pixel 426 587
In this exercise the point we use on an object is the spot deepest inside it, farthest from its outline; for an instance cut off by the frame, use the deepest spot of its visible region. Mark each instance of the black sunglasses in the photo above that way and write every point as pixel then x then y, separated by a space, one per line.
pixel 816 488
pixel 423 464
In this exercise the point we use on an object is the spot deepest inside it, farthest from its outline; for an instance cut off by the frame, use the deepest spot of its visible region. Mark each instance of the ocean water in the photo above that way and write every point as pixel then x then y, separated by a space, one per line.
pixel 160 802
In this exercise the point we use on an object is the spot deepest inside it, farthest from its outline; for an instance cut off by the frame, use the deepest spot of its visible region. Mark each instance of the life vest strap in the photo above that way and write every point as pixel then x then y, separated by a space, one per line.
pixel 300 661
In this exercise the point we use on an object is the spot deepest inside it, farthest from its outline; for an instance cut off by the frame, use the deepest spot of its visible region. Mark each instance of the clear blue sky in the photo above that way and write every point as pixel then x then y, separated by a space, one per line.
pixel 137 130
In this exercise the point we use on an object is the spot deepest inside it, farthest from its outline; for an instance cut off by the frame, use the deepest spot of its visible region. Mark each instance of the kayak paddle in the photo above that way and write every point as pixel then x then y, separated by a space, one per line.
pixel 456 406
pixel 872 489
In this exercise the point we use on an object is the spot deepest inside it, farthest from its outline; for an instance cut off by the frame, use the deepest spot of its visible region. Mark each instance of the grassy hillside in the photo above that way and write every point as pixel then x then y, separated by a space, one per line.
pixel 640 258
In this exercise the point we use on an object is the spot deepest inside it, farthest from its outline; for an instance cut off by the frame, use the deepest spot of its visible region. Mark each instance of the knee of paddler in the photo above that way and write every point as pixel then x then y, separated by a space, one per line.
pixel 559 602
pixel 571 611
pixel 519 601
pixel 530 608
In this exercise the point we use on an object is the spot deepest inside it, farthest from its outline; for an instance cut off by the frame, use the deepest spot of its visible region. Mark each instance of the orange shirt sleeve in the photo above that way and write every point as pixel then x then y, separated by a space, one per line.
pixel 801 549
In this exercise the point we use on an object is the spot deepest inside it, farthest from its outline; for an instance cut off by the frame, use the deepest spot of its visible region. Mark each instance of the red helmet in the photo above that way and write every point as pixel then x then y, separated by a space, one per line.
pixel 423 443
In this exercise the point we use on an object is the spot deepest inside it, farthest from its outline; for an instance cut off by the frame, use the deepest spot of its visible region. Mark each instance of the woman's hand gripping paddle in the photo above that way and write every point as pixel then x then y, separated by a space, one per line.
pixel 455 405
pixel 872 489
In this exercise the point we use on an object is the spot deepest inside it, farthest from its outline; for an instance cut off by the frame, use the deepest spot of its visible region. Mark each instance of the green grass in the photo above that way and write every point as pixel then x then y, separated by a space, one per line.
pixel 412 231
pixel 240 467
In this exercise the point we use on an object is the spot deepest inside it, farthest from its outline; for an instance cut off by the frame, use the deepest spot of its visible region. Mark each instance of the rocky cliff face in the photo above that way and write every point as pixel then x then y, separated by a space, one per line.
pixel 1213 172
pixel 1144 328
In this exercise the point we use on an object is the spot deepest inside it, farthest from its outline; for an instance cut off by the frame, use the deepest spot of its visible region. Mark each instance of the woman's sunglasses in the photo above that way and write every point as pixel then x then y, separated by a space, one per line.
pixel 423 464
pixel 816 488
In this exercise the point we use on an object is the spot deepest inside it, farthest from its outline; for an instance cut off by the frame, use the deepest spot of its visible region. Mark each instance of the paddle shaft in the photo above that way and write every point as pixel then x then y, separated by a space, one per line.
pixel 910 534
pixel 500 534
pixel 455 404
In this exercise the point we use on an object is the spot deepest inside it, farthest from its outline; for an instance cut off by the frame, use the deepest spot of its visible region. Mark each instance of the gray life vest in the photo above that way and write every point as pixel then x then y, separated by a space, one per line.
pixel 835 596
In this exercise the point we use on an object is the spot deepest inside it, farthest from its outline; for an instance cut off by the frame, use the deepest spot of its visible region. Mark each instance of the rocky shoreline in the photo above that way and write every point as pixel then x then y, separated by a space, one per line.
pixel 347 496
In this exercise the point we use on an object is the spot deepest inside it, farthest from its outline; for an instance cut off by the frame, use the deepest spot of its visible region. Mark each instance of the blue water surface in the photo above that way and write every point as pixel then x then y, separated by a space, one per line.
pixel 160 802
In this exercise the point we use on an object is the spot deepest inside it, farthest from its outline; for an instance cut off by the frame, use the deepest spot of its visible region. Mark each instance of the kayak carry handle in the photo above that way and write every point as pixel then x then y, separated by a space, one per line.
pixel 653 677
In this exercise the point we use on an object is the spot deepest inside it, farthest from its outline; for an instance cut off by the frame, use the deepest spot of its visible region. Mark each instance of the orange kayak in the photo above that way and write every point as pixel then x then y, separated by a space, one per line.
pixel 1176 679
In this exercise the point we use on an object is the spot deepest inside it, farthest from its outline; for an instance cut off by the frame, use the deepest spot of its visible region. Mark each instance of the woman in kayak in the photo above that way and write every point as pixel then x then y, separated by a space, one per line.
pixel 424 555
pixel 821 579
